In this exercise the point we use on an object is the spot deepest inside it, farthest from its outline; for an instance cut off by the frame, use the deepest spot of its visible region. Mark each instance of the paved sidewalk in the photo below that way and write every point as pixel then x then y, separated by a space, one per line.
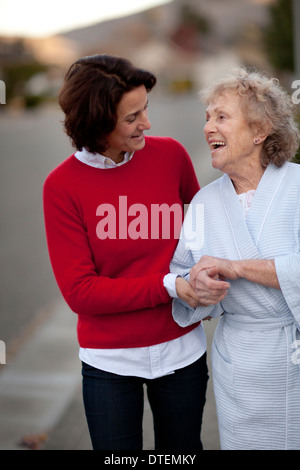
pixel 40 380
pixel 40 392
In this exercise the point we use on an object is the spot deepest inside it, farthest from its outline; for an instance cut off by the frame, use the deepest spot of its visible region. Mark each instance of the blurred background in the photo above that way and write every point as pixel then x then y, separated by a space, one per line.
pixel 186 43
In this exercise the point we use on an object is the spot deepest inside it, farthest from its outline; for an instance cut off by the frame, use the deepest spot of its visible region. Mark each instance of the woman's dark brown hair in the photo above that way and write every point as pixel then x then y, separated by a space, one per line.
pixel 91 92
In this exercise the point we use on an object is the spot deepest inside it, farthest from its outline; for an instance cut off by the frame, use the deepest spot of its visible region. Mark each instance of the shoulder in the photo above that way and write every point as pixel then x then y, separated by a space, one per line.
pixel 168 152
pixel 61 172
pixel 291 177
pixel 165 143
pixel 208 196
pixel 293 169
pixel 208 193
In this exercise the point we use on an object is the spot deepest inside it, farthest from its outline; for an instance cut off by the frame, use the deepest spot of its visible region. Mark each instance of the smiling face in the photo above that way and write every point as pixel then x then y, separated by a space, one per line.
pixel 229 136
pixel 132 121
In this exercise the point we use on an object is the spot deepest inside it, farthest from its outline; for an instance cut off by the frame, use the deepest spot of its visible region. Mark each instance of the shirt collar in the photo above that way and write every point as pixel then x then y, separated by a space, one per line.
pixel 97 160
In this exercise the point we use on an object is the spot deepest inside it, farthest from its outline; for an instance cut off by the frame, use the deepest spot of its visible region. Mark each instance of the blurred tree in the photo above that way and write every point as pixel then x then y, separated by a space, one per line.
pixel 192 18
pixel 279 40
pixel 296 158
pixel 16 75
pixel 191 29
pixel 279 35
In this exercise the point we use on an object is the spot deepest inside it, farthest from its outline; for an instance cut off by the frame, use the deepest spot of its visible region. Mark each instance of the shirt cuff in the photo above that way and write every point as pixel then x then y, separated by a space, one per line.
pixel 169 283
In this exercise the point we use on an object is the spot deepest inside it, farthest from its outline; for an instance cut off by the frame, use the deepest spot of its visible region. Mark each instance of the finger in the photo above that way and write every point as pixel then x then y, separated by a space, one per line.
pixel 202 274
pixel 210 297
pixel 214 274
pixel 212 285
pixel 198 268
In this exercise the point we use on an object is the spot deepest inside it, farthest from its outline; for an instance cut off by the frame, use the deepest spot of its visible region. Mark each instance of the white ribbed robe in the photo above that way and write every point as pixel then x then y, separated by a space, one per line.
pixel 256 346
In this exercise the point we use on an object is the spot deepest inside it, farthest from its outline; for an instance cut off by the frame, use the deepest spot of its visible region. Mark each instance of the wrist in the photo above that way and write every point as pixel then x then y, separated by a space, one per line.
pixel 237 267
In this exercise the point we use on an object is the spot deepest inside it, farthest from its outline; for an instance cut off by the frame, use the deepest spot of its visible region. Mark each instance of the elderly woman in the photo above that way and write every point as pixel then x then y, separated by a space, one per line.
pixel 110 255
pixel 246 263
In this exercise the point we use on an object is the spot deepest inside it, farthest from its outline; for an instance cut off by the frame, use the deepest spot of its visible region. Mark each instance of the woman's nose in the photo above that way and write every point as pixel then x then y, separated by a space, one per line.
pixel 145 123
pixel 209 127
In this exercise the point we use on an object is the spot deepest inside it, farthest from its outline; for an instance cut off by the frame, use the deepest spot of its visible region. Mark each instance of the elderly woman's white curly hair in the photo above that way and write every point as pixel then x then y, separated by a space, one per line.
pixel 266 105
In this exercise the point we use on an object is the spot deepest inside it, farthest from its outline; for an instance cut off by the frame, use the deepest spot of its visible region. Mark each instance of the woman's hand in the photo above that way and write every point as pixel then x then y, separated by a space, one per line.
pixel 207 282
pixel 261 271
pixel 186 293
pixel 226 269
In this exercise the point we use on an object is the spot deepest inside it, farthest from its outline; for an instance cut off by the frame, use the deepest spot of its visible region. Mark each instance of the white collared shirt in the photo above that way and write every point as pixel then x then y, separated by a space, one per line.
pixel 100 161
pixel 151 361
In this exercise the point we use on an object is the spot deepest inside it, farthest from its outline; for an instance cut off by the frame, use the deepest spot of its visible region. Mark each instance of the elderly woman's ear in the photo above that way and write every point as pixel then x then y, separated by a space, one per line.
pixel 261 133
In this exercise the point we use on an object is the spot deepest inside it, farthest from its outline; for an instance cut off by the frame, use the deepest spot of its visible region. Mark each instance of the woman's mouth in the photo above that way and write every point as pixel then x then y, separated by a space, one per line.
pixel 216 145
pixel 138 137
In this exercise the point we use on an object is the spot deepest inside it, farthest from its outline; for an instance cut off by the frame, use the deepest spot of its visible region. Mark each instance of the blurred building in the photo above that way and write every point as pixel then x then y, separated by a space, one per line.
pixel 184 42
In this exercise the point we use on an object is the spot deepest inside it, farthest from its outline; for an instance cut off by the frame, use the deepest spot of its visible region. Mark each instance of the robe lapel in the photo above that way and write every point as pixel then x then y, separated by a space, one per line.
pixel 265 195
pixel 246 232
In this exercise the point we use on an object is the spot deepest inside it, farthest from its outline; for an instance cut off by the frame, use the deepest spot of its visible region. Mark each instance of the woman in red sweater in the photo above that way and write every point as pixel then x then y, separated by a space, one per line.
pixel 113 212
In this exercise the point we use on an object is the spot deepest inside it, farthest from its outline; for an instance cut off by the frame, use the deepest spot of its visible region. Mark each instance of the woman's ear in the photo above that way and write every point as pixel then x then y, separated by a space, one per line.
pixel 261 133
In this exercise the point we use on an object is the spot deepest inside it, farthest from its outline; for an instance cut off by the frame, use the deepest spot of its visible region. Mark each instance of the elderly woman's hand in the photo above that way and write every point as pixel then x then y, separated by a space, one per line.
pixel 207 282
pixel 261 271
pixel 226 269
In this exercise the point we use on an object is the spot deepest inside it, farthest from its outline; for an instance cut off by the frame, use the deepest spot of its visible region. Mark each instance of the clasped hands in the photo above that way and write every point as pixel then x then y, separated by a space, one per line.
pixel 207 284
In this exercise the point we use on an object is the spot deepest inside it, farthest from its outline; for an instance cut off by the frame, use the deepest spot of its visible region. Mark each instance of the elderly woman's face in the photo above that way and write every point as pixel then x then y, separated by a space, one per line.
pixel 132 121
pixel 228 134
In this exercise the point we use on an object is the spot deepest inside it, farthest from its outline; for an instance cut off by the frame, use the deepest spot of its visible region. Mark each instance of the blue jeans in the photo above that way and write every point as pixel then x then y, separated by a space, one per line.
pixel 114 407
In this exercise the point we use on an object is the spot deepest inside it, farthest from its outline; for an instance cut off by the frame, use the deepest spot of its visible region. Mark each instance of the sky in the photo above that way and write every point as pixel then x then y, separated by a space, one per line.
pixel 36 18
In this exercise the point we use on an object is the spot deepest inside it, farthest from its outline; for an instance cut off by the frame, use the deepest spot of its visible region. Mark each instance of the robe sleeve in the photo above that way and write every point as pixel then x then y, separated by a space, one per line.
pixel 187 253
pixel 288 273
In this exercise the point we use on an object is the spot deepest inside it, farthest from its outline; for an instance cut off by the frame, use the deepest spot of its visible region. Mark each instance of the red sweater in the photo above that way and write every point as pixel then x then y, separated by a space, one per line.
pixel 108 249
